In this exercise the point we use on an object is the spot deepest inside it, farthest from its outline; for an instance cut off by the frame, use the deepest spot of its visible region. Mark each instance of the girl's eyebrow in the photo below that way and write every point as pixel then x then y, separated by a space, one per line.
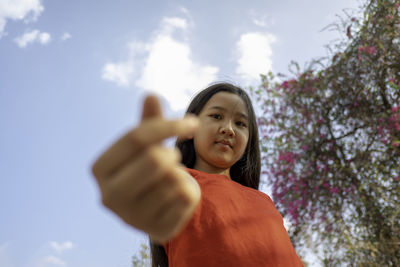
pixel 224 109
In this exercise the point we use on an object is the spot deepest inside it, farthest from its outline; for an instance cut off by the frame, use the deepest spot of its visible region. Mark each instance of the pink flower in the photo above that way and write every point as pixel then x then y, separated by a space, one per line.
pixel 285 85
pixel 293 212
pixel 371 50
pixel 334 190
pixel 288 84
pixel 299 202
pixel 380 129
pixel 328 228
pixel 367 49
pixel 305 148
pixel 289 157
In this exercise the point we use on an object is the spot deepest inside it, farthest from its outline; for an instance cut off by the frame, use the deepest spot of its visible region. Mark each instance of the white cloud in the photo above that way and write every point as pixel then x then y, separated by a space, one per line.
pixel 164 65
pixel 255 54
pixel 44 38
pixel 28 10
pixel 260 22
pixel 261 19
pixel 27 38
pixel 32 37
pixel 66 36
pixel 123 73
pixel 60 247
pixel 171 72
pixel 51 261
pixel 184 10
pixel 174 22
pixel 120 73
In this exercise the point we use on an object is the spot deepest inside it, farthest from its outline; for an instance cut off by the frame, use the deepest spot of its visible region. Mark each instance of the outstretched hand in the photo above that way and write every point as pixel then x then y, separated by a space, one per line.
pixel 143 182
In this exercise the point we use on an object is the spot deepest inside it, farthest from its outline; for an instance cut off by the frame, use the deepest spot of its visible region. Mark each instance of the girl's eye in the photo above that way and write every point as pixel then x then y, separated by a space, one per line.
pixel 215 116
pixel 219 117
pixel 241 124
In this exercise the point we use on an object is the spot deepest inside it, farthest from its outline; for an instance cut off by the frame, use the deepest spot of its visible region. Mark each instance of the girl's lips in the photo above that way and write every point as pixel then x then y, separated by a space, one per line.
pixel 225 143
pixel 223 146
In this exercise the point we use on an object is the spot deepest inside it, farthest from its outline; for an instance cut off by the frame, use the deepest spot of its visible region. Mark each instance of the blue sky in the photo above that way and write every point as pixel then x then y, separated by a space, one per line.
pixel 73 75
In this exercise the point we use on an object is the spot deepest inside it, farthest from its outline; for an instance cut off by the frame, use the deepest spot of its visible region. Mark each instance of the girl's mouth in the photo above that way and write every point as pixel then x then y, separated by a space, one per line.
pixel 224 143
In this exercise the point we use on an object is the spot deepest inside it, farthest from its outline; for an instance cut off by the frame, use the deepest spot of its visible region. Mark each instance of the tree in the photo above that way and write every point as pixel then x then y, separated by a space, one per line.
pixel 142 260
pixel 331 143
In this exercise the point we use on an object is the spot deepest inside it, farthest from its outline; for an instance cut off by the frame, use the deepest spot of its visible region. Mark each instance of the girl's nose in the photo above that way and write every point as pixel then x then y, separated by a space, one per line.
pixel 227 129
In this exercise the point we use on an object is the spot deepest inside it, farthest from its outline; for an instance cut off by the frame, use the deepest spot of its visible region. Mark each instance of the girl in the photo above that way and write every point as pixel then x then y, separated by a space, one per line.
pixel 199 204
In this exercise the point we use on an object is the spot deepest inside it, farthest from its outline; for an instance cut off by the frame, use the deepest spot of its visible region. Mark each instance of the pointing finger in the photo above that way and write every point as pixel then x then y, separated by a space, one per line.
pixel 150 132
pixel 151 108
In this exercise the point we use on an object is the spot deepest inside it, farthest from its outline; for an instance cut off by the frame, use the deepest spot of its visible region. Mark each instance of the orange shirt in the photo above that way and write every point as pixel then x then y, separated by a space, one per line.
pixel 233 225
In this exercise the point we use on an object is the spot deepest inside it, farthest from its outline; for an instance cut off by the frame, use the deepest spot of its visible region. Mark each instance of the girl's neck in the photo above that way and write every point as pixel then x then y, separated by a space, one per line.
pixel 214 170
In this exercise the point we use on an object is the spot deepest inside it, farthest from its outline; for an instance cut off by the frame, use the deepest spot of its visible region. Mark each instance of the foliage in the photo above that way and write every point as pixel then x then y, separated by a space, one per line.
pixel 331 143
pixel 143 260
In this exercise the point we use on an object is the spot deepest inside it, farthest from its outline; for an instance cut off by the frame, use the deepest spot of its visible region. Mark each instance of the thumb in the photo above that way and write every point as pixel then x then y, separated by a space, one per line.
pixel 151 108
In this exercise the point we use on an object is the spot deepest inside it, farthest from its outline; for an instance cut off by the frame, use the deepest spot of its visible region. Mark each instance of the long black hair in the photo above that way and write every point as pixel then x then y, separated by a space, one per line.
pixel 245 171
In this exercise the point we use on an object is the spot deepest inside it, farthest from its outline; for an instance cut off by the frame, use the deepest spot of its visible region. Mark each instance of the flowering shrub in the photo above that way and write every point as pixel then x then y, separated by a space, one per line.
pixel 331 144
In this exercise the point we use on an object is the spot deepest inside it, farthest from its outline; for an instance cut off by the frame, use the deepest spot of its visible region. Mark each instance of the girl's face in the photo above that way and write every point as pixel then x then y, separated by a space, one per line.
pixel 222 136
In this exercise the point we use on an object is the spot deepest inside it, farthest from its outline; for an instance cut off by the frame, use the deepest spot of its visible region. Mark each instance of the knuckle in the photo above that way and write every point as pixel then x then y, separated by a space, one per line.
pixel 94 170
pixel 107 196
pixel 106 200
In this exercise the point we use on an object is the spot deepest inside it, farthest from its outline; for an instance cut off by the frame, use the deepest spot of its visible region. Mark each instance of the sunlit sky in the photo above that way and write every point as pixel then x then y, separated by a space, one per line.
pixel 73 75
